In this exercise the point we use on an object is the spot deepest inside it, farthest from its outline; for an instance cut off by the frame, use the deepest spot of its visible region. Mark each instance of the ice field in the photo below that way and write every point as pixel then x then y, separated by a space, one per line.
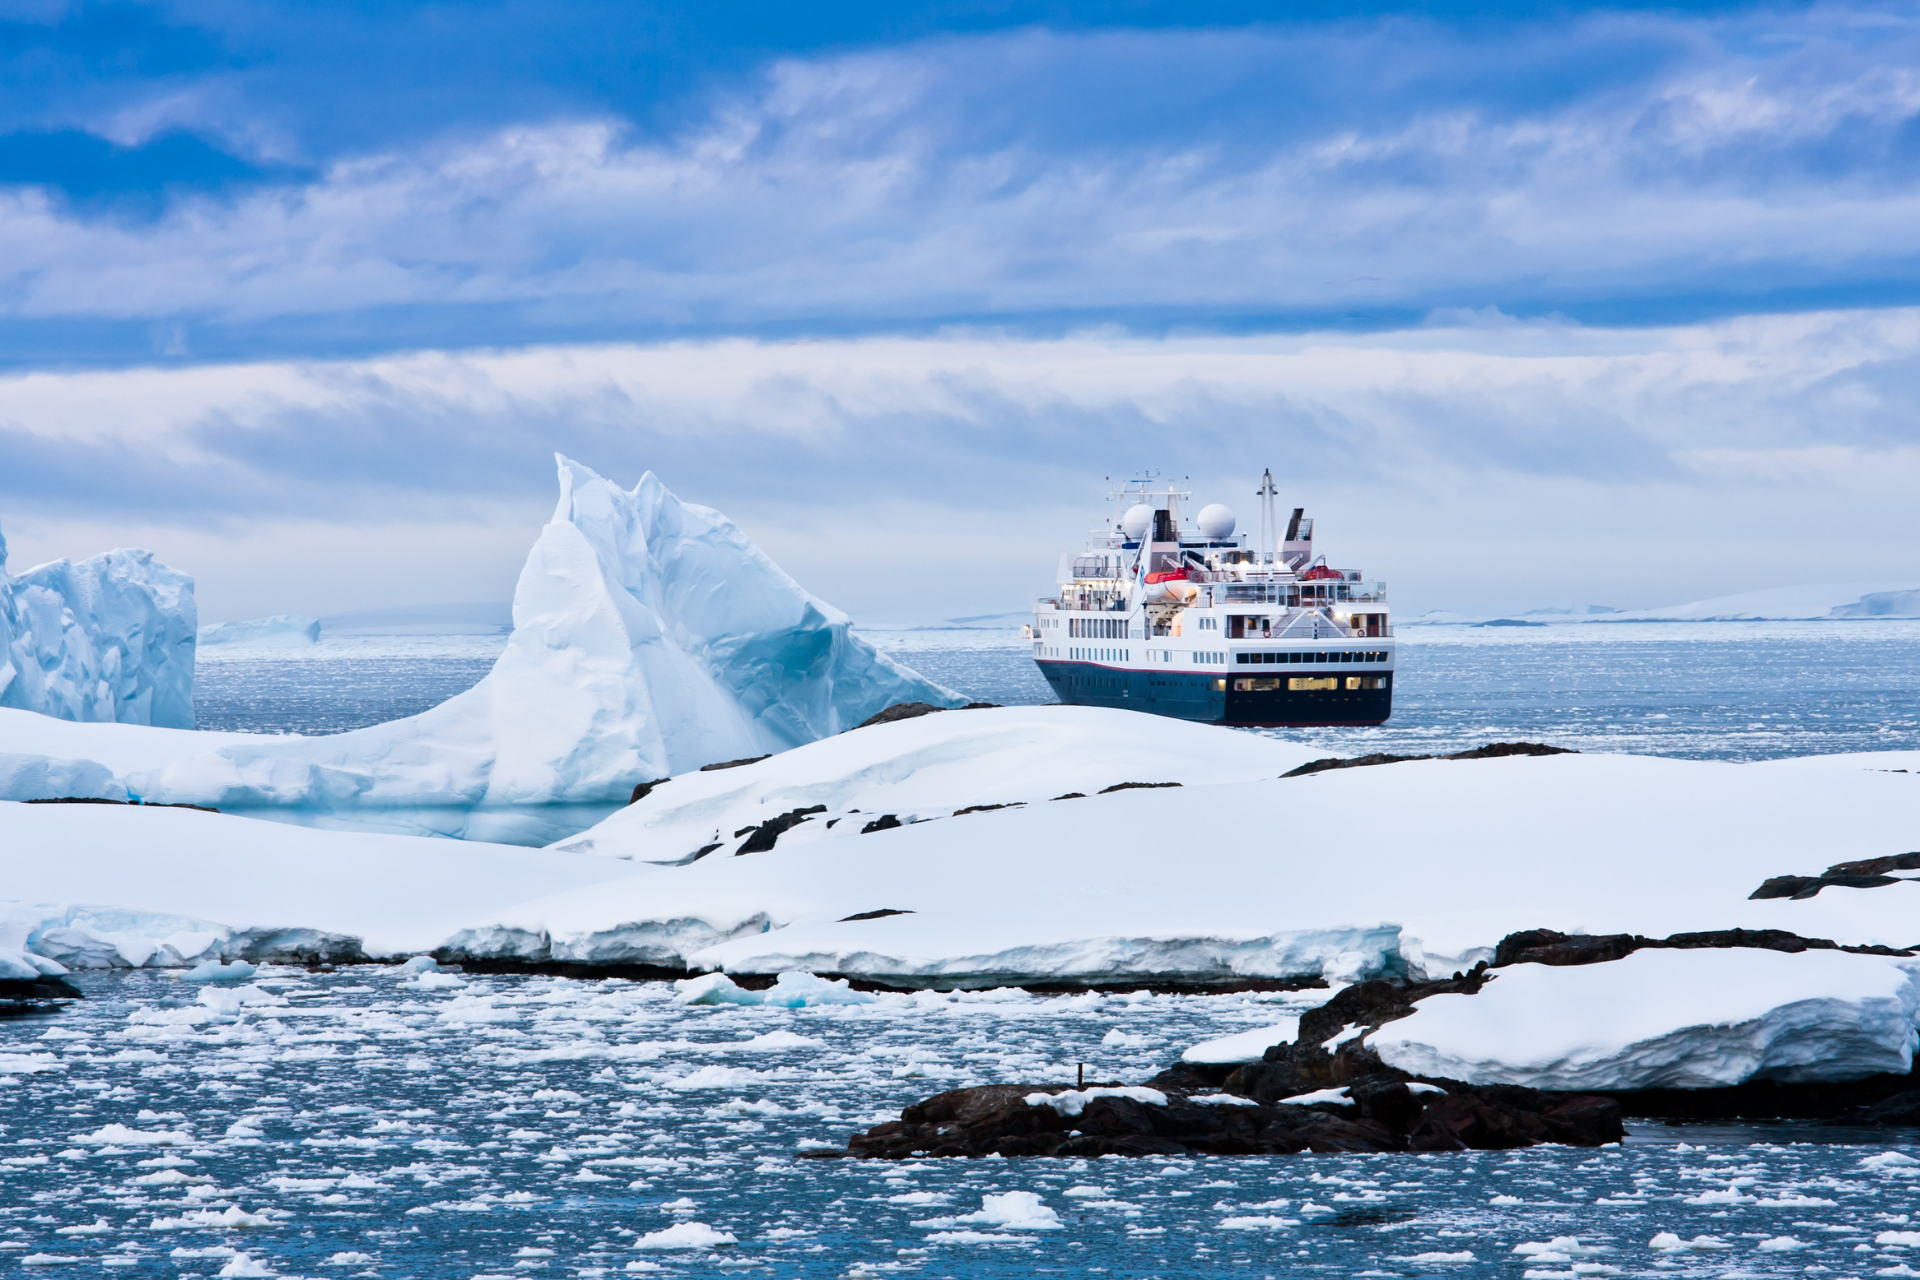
pixel 370 1123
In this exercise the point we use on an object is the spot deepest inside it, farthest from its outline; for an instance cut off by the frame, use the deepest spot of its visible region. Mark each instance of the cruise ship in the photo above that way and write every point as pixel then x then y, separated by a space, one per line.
pixel 1187 617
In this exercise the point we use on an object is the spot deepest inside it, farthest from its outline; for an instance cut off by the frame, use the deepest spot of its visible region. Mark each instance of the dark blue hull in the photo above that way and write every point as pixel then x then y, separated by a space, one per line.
pixel 1296 699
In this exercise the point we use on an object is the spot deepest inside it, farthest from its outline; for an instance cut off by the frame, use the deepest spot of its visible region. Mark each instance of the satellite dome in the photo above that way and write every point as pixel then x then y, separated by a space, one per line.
pixel 1137 521
pixel 1216 521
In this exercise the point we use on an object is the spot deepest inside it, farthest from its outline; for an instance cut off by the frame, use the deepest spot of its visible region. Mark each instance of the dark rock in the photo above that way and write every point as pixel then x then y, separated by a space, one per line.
pixel 885 822
pixel 766 833
pixel 33 990
pixel 1492 751
pixel 1876 866
pixel 900 711
pixel 988 808
pixel 1901 1109
pixel 873 915
pixel 643 789
pixel 1377 1002
pixel 1072 795
pixel 137 804
pixel 1545 946
pixel 734 764
pixel 1385 1115
pixel 1803 887
pixel 1134 786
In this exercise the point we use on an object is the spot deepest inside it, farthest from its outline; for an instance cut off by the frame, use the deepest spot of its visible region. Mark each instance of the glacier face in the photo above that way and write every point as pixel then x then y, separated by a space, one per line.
pixel 650 637
pixel 108 639
pixel 284 630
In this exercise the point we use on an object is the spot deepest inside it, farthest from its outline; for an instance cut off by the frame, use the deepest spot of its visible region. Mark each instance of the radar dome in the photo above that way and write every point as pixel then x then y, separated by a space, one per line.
pixel 1137 521
pixel 1215 520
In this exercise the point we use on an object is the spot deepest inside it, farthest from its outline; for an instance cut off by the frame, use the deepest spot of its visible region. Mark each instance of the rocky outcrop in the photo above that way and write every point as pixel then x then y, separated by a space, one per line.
pixel 1491 751
pixel 1863 873
pixel 914 710
pixel 1545 946
pixel 1383 1111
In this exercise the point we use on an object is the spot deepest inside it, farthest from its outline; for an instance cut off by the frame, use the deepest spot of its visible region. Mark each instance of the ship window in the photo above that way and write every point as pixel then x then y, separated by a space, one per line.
pixel 1366 682
pixel 1219 686
pixel 1257 684
pixel 1313 682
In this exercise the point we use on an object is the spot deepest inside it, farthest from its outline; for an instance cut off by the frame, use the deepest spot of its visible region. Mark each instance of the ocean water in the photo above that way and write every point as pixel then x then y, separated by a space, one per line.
pixel 364 1123
pixel 1724 690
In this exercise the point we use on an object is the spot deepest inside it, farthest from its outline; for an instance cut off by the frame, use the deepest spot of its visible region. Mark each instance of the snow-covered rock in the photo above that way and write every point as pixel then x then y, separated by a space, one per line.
pixel 282 631
pixel 650 637
pixel 110 639
pixel 1668 1019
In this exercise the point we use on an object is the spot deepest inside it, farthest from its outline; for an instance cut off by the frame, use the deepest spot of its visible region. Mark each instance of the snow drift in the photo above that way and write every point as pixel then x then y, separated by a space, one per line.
pixel 108 639
pixel 650 638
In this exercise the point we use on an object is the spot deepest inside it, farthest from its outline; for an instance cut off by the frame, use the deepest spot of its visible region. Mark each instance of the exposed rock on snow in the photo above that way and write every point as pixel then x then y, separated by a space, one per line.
pixel 1862 873
pixel 282 631
pixel 1492 751
pixel 650 638
pixel 108 639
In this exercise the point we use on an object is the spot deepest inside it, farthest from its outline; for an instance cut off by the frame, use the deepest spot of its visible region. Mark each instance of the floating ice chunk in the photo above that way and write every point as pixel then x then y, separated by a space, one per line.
pixel 119 1135
pixel 685 1235
pixel 419 964
pixel 789 991
pixel 349 1258
pixel 224 974
pixel 1255 1222
pixel 51 1259
pixel 1072 1102
pixel 1668 1242
pixel 244 1265
pixel 717 1078
pixel 98 1227
pixel 772 1041
pixel 1438 1259
pixel 1890 1162
pixel 1562 1249
pixel 1905 1239
pixel 1338 1097
pixel 1010 1211
pixel 1782 1244
pixel 233 1216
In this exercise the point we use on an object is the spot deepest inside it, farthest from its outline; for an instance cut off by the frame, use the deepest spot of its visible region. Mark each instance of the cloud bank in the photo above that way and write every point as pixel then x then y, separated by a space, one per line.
pixel 1482 462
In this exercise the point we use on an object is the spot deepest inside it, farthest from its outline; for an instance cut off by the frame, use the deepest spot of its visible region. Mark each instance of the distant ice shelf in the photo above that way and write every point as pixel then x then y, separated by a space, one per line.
pixel 282 631
pixel 1833 601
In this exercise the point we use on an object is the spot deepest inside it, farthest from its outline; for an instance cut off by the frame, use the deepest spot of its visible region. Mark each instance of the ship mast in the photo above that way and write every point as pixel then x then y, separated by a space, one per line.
pixel 1269 520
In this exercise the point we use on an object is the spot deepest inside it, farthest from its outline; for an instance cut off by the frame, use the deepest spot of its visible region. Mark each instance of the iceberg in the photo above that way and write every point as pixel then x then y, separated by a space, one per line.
pixel 285 630
pixel 110 639
pixel 650 637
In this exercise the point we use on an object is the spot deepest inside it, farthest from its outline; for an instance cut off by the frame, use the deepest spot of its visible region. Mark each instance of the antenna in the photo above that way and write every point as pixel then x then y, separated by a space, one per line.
pixel 1269 522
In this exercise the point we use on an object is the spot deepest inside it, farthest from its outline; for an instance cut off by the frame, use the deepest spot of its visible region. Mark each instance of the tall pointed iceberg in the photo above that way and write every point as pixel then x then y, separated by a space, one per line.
pixel 108 639
pixel 650 637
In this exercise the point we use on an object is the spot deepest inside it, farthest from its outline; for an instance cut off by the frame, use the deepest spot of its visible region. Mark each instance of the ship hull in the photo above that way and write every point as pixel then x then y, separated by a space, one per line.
pixel 1253 703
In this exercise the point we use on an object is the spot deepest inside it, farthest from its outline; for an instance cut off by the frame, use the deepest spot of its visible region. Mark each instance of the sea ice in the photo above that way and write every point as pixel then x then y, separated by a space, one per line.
pixel 107 639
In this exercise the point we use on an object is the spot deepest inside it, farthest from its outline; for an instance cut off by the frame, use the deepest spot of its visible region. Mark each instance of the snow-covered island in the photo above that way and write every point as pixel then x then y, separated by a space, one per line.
pixel 680 766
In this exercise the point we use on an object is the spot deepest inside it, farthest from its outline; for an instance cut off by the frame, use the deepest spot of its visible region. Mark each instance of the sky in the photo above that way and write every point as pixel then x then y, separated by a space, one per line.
pixel 1528 304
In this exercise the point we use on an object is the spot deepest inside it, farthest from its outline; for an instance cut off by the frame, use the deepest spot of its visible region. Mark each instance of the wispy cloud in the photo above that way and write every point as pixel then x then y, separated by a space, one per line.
pixel 1613 166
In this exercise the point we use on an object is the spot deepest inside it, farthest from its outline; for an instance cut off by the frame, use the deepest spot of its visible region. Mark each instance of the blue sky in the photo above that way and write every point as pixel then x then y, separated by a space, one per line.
pixel 272 271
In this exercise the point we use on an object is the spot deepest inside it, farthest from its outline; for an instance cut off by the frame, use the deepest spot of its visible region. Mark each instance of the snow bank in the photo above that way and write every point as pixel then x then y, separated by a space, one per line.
pixel 282 631
pixel 110 639
pixel 98 886
pixel 1242 1046
pixel 930 767
pixel 1219 882
pixel 650 638
pixel 1668 1019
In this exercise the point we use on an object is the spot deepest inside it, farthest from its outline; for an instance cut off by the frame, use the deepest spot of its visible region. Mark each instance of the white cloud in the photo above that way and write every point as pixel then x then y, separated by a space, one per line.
pixel 1500 465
